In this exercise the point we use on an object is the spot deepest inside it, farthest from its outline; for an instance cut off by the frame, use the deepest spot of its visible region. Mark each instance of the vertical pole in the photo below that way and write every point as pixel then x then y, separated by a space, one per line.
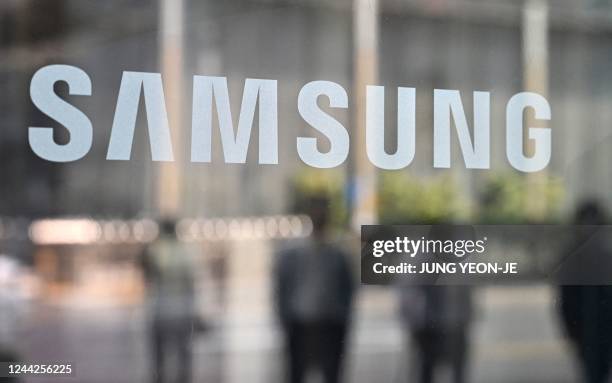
pixel 535 79
pixel 169 187
pixel 365 61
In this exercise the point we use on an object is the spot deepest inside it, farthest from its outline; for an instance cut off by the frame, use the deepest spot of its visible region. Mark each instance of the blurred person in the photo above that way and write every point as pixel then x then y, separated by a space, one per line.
pixel 314 291
pixel 218 266
pixel 437 318
pixel 586 311
pixel 169 272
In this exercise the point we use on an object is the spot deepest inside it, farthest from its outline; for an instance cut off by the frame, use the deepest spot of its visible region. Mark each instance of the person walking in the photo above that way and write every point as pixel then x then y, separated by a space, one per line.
pixel 169 272
pixel 313 294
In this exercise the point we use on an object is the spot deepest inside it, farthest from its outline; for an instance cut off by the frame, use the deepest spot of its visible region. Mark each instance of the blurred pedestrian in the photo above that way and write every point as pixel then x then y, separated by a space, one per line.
pixel 437 318
pixel 586 310
pixel 314 290
pixel 169 271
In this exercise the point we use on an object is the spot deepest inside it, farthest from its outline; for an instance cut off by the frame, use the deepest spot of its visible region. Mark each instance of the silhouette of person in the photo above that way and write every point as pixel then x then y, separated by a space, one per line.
pixel 586 311
pixel 438 317
pixel 313 294
pixel 168 269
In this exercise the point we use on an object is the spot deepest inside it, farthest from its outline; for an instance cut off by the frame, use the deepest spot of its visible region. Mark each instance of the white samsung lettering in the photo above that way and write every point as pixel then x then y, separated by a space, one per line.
pixel 375 128
pixel 324 123
pixel 447 103
pixel 124 123
pixel 76 122
pixel 234 146
pixel 262 95
pixel 514 132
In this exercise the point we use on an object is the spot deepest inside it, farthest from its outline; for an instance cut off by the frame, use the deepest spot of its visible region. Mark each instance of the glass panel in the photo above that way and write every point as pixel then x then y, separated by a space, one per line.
pixel 184 184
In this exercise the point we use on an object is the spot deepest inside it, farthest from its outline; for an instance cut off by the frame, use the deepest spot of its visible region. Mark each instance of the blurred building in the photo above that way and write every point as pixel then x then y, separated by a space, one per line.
pixel 467 45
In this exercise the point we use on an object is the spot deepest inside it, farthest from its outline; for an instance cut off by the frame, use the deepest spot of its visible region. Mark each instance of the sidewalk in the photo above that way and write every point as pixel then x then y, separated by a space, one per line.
pixel 515 340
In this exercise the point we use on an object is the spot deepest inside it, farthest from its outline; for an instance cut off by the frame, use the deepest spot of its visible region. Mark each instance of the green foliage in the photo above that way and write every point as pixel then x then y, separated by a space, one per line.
pixel 310 182
pixel 406 200
pixel 503 198
pixel 511 198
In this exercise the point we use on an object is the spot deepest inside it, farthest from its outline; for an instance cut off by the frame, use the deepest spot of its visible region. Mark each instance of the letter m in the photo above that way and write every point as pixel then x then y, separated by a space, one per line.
pixel 235 142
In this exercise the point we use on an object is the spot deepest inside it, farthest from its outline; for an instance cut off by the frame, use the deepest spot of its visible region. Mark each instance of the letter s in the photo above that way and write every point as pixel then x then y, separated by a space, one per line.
pixel 76 122
pixel 324 123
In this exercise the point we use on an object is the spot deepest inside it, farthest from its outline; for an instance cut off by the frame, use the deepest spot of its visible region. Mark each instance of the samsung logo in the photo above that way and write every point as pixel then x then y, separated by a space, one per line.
pixel 261 95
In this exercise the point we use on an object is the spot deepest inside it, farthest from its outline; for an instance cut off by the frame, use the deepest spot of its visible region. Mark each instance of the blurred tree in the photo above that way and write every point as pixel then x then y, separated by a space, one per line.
pixel 406 200
pixel 310 182
pixel 503 199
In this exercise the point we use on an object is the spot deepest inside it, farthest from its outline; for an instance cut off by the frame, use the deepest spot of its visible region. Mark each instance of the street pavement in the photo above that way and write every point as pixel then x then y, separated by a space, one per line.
pixel 515 339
